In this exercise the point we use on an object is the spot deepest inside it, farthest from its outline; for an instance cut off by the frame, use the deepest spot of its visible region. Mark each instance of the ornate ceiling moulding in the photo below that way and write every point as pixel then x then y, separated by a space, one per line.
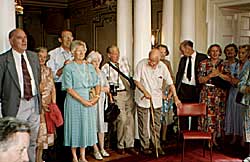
pixel 46 3
pixel 104 4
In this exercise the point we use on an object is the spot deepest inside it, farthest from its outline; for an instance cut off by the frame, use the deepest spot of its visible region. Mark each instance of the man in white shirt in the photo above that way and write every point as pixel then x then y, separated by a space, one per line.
pixel 123 98
pixel 59 57
pixel 187 84
pixel 19 85
pixel 149 76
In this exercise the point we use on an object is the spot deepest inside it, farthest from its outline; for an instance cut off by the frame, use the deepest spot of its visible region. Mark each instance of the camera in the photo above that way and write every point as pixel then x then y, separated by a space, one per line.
pixel 113 89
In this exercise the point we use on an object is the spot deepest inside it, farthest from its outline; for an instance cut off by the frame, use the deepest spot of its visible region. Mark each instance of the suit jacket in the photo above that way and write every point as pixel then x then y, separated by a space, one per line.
pixel 10 93
pixel 181 69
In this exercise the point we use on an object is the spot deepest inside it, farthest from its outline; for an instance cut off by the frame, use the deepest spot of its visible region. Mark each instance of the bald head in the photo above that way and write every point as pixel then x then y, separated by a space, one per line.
pixel 154 57
pixel 18 40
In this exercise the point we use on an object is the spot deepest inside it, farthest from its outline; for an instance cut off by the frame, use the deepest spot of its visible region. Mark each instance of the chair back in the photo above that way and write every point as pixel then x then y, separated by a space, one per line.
pixel 192 109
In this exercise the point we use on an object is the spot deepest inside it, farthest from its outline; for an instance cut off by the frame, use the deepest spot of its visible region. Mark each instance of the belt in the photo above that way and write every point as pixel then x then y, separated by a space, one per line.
pixel 122 90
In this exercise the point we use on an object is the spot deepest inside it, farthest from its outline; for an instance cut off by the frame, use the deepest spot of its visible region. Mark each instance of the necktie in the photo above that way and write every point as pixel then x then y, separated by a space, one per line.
pixel 189 68
pixel 26 80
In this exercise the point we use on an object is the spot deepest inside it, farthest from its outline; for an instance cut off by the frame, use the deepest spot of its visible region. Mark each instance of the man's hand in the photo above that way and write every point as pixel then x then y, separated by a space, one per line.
pixel 146 95
pixel 177 102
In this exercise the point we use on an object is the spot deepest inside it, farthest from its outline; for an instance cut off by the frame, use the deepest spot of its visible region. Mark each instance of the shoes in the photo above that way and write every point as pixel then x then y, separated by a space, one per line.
pixel 97 155
pixel 121 151
pixel 104 153
pixel 74 160
pixel 146 151
pixel 132 151
pixel 246 159
pixel 81 160
pixel 161 152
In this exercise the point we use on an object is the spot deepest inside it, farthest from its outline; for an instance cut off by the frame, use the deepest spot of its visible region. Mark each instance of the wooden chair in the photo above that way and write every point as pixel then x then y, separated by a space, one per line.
pixel 194 109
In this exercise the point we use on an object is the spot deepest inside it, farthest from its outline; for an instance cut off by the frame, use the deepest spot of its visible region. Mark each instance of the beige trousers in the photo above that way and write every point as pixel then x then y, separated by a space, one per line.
pixel 143 126
pixel 125 121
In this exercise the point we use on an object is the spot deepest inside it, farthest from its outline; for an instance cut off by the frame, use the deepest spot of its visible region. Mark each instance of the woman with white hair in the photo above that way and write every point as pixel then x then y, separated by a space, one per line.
pixel 78 79
pixel 95 59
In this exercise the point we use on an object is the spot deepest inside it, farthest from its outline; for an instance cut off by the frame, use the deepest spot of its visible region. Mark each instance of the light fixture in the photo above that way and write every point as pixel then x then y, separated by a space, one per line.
pixel 19 8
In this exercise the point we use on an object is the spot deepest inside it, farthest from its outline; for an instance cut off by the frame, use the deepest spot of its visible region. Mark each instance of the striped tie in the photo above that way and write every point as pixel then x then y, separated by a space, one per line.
pixel 26 80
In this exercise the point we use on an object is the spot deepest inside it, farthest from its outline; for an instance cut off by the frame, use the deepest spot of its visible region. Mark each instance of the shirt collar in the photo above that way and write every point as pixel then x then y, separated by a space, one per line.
pixel 18 54
pixel 193 55
pixel 62 50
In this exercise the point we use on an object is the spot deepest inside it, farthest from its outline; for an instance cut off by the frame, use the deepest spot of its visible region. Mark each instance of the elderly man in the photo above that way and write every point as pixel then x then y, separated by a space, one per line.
pixel 14 140
pixel 149 76
pixel 124 99
pixel 187 79
pixel 19 85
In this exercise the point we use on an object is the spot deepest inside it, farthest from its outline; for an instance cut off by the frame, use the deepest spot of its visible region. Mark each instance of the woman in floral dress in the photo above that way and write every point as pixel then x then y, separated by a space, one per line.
pixel 211 93
pixel 48 93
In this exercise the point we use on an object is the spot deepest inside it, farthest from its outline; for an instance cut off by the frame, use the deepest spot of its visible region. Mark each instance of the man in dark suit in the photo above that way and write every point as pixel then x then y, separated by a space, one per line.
pixel 187 85
pixel 19 85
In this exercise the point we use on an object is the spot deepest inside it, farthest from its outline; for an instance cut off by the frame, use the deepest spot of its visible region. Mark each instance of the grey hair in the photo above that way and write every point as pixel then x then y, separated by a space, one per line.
pixel 8 127
pixel 74 44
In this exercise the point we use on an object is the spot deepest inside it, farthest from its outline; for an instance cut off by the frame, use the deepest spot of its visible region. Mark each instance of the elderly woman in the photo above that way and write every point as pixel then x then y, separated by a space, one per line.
pixel 78 79
pixel 244 87
pixel 212 71
pixel 230 52
pixel 95 58
pixel 234 118
pixel 48 93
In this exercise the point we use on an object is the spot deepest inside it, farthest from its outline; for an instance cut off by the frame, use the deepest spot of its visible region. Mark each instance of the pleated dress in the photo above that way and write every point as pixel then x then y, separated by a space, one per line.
pixel 80 121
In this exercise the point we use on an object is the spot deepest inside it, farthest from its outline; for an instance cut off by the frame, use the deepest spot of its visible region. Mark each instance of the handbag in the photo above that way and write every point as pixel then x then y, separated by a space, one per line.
pixel 112 111
pixel 239 98
pixel 92 93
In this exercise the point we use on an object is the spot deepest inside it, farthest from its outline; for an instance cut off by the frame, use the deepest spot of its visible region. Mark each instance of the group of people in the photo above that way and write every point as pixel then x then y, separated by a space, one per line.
pixel 67 86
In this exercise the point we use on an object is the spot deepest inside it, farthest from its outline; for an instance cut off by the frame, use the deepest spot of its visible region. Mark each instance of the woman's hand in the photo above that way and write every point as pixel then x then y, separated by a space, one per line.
pixel 248 90
pixel 214 73
pixel 87 103
pixel 94 100
pixel 45 107
pixel 105 89
pixel 235 81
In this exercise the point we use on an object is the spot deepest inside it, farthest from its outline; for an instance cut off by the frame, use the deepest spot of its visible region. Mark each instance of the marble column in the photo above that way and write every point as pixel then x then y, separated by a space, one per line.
pixel 167 33
pixel 142 38
pixel 188 20
pixel 8 22
pixel 142 29
pixel 124 29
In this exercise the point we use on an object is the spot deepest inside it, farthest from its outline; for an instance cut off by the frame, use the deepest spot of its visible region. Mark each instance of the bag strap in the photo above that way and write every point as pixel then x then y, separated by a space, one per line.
pixel 118 70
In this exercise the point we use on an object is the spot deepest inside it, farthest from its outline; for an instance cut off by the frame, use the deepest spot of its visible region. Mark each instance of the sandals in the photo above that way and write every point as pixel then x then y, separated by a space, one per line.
pixel 104 153
pixel 97 155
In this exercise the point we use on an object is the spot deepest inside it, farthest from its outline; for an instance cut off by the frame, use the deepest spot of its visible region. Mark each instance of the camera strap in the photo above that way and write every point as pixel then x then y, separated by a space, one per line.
pixel 119 71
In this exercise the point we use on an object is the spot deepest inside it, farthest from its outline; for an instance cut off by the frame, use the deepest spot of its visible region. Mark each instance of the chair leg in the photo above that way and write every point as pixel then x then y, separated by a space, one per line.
pixel 204 145
pixel 211 150
pixel 183 147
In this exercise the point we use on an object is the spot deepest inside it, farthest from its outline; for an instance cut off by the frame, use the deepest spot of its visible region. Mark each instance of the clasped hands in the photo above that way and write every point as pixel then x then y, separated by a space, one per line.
pixel 91 102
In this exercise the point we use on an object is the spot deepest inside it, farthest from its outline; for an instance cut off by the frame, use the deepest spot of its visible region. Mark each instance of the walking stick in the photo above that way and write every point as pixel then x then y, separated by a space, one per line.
pixel 153 121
